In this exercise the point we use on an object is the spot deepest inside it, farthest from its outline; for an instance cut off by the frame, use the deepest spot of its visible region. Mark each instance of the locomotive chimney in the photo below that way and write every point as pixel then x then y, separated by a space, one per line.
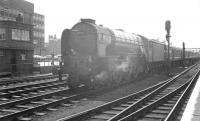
pixel 88 21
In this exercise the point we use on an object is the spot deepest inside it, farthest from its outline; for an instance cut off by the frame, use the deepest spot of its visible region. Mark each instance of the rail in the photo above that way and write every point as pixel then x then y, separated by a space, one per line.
pixel 137 98
pixel 179 95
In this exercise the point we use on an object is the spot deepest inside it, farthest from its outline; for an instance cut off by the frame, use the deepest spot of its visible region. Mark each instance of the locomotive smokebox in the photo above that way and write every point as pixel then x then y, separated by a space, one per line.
pixel 88 20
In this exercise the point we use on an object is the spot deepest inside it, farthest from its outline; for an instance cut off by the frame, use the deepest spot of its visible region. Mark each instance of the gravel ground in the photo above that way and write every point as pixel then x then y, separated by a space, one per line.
pixel 100 99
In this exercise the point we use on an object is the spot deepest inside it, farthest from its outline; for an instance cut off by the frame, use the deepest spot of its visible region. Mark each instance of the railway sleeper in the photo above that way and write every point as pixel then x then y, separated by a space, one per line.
pixel 20 90
pixel 114 112
pixel 136 99
pixel 102 117
pixel 148 119
pixel 157 97
pixel 9 110
pixel 41 91
pixel 161 111
pixel 118 108
pixel 16 96
pixel 109 114
pixel 155 115
pixel 161 94
pixel 24 106
pixel 12 91
pixel 3 99
pixel 39 102
pixel 24 118
pixel 125 105
pixel 3 93
pixel 153 100
pixel 25 94
pixel 66 104
pixel 74 101
pixel 49 99
pixel 34 93
pixel 168 104
pixel 131 102
pixel 171 101
pixel 39 113
pixel 163 108
pixel 175 98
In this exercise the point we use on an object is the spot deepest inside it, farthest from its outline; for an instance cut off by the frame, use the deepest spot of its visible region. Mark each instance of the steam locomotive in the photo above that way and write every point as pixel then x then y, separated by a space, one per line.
pixel 97 56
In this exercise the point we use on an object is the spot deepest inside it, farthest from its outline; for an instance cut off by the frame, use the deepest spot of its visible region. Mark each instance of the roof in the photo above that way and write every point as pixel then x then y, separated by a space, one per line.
pixel 125 36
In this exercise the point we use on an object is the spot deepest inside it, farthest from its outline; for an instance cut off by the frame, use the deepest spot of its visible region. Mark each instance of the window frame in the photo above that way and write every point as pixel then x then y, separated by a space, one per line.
pixel 2 52
pixel 3 34
pixel 20 35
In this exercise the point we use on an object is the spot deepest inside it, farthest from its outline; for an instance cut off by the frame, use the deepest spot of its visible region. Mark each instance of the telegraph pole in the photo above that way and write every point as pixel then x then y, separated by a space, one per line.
pixel 167 28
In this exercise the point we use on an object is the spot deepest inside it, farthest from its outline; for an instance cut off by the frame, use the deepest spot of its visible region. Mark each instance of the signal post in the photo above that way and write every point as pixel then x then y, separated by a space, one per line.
pixel 167 28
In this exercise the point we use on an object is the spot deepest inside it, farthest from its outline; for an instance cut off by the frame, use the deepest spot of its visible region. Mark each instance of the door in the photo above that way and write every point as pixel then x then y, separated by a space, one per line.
pixel 13 61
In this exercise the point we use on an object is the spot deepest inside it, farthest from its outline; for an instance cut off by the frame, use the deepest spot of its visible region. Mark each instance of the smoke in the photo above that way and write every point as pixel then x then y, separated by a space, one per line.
pixel 122 67
pixel 118 70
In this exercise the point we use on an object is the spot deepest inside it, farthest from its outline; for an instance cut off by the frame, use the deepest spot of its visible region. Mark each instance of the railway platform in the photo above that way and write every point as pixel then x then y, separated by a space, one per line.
pixel 192 110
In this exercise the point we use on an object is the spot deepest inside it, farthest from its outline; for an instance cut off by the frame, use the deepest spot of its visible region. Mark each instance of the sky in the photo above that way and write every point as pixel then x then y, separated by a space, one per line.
pixel 144 17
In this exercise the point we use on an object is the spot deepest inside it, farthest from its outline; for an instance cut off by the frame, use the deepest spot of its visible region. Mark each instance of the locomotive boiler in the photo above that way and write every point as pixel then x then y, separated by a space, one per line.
pixel 97 56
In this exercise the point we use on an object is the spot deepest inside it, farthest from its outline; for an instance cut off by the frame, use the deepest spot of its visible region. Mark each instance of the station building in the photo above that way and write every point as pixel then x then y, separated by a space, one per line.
pixel 10 9
pixel 16 36
pixel 38 34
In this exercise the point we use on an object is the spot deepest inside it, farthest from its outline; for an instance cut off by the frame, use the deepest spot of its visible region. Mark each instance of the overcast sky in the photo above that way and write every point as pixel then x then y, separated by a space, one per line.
pixel 145 17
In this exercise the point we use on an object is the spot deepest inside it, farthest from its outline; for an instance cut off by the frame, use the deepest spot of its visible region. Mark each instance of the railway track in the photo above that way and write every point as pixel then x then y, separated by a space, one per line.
pixel 127 106
pixel 13 109
pixel 13 97
pixel 167 108
pixel 27 80
pixel 17 103
pixel 7 94
pixel 19 109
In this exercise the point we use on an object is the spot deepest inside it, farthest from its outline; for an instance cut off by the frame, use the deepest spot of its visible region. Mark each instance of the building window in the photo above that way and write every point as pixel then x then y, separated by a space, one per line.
pixel 23 55
pixel 18 34
pixel 35 42
pixel 2 12
pixel 2 33
pixel 2 52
